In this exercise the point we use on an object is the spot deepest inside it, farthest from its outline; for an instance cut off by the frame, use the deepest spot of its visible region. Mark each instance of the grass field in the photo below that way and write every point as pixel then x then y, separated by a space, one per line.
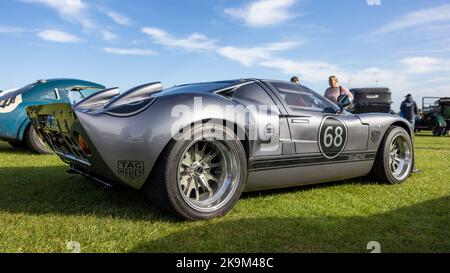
pixel 42 208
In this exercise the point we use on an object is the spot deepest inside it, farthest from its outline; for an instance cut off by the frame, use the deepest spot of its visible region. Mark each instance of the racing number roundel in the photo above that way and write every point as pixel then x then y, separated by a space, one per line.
pixel 333 136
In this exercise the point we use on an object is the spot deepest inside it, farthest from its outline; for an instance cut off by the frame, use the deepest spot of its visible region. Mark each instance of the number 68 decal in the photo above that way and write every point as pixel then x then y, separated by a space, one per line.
pixel 333 136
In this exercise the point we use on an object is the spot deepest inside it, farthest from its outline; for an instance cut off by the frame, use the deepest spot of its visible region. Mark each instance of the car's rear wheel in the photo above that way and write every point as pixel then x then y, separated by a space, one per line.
pixel 395 158
pixel 200 178
pixel 18 144
pixel 34 143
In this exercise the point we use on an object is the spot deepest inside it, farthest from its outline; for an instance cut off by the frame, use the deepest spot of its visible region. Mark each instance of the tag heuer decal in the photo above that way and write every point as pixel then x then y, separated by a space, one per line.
pixel 375 136
pixel 131 169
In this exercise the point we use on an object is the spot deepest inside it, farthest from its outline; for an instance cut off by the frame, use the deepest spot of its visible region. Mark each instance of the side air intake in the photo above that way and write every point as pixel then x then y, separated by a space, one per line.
pixel 136 95
pixel 100 98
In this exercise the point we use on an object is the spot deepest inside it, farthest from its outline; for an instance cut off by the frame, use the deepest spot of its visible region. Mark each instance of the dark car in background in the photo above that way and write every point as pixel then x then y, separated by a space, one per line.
pixel 435 116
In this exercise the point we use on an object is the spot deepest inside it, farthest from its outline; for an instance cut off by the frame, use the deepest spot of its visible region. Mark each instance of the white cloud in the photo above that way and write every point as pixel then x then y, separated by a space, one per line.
pixel 194 42
pixel 417 19
pixel 312 71
pixel 58 36
pixel 129 51
pixel 252 55
pixel 9 29
pixel 425 65
pixel 119 18
pixel 80 12
pixel 263 13
pixel 108 35
pixel 406 75
pixel 71 10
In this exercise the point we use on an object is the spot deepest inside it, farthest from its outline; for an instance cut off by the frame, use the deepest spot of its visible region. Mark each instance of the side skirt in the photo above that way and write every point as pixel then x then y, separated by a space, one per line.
pixel 291 172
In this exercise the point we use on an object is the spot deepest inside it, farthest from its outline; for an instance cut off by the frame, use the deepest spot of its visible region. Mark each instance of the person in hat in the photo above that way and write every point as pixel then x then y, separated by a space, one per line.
pixel 409 109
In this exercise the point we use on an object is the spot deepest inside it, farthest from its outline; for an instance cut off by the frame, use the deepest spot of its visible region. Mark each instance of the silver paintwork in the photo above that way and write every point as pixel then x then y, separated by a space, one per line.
pixel 143 137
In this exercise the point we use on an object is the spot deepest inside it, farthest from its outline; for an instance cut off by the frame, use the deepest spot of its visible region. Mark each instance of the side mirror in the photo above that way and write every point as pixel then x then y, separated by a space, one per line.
pixel 344 101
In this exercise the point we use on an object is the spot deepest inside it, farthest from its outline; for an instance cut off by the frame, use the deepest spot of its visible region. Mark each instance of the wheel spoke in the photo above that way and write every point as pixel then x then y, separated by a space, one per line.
pixel 205 184
pixel 210 177
pixel 193 186
pixel 212 166
pixel 187 161
pixel 209 157
pixel 187 186
pixel 203 150
pixel 192 152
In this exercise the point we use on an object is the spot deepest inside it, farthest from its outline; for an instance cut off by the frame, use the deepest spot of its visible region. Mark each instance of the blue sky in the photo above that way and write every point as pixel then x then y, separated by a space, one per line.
pixel 401 44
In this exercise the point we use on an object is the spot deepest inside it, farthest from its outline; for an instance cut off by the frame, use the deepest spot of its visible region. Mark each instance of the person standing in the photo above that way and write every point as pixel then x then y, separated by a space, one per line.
pixel 295 80
pixel 336 90
pixel 409 109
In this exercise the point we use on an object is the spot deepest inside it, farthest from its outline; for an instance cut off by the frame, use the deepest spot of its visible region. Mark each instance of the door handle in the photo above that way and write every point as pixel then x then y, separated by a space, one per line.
pixel 300 121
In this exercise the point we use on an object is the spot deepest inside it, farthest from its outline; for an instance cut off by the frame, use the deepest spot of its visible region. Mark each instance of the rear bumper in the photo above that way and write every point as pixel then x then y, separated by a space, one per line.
pixel 59 127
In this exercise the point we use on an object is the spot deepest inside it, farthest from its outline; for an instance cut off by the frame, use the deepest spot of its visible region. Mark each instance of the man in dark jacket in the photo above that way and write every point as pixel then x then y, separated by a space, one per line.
pixel 409 109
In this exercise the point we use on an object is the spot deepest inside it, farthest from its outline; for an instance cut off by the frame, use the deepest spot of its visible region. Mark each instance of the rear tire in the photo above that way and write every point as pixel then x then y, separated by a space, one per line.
pixel 34 143
pixel 199 178
pixel 395 158
pixel 18 144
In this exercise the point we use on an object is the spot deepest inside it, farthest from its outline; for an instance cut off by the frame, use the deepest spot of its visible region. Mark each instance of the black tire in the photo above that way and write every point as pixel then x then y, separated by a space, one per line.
pixel 34 143
pixel 163 187
pixel 436 131
pixel 18 144
pixel 382 171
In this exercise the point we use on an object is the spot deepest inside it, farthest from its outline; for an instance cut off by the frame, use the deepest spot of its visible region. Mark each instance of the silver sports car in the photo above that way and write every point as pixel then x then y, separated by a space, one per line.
pixel 193 149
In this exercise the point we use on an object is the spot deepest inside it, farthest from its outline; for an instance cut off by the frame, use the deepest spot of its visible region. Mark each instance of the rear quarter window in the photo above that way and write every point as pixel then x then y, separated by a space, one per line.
pixel 253 92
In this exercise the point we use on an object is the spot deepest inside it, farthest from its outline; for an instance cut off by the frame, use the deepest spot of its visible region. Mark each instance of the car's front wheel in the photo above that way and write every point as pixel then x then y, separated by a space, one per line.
pixel 395 159
pixel 200 177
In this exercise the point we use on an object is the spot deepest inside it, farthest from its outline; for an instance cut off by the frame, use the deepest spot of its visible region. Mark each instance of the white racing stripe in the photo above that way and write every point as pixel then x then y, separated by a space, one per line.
pixel 11 106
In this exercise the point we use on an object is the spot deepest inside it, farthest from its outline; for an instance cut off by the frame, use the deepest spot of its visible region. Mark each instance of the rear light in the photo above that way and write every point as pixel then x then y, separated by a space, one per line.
pixel 84 145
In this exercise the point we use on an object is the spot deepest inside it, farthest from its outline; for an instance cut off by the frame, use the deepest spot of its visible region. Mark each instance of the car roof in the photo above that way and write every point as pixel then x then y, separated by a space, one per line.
pixel 207 87
pixel 48 84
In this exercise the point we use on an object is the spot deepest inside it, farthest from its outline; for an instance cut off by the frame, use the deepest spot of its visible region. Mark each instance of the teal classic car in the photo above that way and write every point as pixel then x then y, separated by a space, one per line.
pixel 15 125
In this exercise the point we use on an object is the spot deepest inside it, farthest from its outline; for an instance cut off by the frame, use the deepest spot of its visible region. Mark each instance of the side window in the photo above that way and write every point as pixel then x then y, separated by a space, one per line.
pixel 47 94
pixel 253 92
pixel 298 97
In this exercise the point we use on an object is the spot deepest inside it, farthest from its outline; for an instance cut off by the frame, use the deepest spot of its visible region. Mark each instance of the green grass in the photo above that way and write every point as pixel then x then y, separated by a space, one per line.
pixel 42 208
